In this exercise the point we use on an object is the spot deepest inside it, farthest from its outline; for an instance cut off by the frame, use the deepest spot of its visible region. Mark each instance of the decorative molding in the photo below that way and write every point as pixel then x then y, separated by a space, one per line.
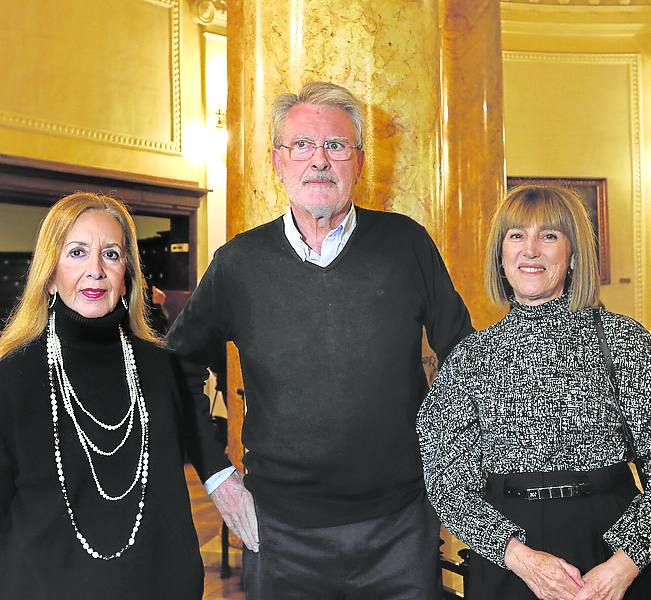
pixel 581 2
pixel 210 12
pixel 638 214
pixel 172 146
pixel 175 64
pixel 570 57
pixel 633 63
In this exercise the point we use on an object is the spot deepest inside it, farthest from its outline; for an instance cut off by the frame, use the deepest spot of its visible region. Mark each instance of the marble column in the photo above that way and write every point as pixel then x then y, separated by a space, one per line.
pixel 387 53
pixel 473 168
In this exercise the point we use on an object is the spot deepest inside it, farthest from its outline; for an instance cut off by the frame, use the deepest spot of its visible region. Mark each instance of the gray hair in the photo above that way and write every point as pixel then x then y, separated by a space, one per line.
pixel 317 92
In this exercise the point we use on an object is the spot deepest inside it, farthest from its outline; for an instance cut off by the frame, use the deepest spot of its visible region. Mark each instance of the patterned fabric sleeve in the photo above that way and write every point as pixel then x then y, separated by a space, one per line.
pixel 631 348
pixel 450 439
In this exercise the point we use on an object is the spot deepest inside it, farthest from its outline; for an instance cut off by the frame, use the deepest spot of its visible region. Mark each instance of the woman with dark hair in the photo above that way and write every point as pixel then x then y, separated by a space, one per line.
pixel 524 445
pixel 93 499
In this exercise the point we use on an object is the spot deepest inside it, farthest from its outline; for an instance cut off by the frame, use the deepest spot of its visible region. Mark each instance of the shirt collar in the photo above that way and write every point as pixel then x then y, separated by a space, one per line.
pixel 294 237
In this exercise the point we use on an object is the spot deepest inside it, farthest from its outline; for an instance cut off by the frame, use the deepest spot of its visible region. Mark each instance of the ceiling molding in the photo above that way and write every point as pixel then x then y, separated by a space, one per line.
pixel 586 3
pixel 210 13
pixel 524 16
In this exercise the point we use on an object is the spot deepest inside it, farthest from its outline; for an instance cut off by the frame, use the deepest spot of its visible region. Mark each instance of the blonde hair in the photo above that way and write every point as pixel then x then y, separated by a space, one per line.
pixel 317 92
pixel 552 207
pixel 29 318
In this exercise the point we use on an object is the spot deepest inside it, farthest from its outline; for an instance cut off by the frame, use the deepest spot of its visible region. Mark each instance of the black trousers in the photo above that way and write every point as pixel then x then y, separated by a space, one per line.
pixel 394 557
pixel 570 528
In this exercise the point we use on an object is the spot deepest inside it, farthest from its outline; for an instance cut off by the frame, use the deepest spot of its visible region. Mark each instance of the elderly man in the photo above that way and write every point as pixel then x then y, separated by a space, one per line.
pixel 326 306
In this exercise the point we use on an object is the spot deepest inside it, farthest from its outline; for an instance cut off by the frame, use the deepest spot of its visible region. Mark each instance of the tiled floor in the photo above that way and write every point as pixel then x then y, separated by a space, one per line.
pixel 208 524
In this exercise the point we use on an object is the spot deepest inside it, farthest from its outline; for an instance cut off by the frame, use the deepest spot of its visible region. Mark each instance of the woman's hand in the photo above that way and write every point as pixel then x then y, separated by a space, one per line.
pixel 547 576
pixel 610 579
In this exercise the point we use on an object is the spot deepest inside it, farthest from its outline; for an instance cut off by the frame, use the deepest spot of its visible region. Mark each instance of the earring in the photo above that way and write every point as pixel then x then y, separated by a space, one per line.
pixel 53 299
pixel 124 303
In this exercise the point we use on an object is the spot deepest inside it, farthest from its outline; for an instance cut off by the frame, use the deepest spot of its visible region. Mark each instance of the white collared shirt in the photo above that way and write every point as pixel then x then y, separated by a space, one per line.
pixel 332 245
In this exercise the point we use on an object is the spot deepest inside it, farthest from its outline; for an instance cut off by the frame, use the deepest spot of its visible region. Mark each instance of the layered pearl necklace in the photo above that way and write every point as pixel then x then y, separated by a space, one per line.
pixel 69 399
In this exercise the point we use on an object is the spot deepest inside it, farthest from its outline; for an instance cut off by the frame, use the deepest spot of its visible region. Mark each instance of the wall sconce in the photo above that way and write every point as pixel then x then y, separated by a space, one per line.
pixel 221 119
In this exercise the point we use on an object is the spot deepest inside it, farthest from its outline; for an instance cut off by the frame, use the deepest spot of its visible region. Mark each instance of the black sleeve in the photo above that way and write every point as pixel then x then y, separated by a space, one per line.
pixel 203 326
pixel 447 320
pixel 200 436
pixel 198 338
pixel 7 480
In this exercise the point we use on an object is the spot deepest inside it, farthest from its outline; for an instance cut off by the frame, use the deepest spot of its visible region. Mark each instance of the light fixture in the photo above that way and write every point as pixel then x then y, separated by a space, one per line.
pixel 221 119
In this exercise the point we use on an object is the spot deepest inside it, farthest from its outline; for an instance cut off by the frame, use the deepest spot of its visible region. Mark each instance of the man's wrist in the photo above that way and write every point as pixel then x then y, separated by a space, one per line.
pixel 213 482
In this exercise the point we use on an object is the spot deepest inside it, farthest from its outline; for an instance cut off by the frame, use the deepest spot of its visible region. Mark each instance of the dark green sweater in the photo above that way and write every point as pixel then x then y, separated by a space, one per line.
pixel 331 360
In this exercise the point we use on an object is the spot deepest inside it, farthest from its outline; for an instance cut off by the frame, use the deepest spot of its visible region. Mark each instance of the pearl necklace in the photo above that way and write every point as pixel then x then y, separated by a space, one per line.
pixel 56 371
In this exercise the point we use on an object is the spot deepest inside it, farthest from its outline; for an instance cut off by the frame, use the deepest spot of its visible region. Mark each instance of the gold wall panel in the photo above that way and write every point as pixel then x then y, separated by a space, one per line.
pixel 108 72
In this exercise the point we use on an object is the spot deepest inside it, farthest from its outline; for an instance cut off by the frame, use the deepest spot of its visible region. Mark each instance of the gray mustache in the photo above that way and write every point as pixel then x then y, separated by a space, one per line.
pixel 319 177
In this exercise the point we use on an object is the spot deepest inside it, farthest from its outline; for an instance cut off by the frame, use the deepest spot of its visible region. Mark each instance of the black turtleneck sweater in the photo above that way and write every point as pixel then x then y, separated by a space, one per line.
pixel 332 362
pixel 40 557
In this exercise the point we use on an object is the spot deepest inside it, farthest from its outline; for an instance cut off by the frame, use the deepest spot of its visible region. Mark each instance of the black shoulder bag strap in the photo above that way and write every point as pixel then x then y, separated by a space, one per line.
pixel 631 453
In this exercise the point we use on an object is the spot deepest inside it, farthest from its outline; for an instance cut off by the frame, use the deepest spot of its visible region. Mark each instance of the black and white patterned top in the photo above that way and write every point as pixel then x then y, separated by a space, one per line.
pixel 530 393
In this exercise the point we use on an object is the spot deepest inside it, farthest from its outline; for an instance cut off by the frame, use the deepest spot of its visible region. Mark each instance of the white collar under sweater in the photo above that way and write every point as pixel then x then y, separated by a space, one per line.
pixel 332 245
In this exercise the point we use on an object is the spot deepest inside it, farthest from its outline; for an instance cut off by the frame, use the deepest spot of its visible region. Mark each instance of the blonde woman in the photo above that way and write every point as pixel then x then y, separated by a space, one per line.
pixel 93 501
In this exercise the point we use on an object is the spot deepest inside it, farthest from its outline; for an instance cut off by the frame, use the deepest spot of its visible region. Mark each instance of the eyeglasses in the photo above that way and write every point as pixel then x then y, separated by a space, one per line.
pixel 334 150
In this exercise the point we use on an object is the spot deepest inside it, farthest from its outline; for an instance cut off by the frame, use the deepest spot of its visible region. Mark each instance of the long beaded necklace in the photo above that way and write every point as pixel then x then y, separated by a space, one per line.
pixel 57 371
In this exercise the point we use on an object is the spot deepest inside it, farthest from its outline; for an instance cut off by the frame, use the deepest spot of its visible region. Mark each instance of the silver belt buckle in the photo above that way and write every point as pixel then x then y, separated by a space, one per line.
pixel 554 492
pixel 533 494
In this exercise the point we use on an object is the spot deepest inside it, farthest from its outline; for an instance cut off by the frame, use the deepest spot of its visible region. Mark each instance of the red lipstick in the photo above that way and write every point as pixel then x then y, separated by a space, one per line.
pixel 93 294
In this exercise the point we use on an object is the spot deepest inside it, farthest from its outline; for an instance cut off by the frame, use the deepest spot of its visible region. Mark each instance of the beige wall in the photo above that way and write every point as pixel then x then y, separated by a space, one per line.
pixel 574 82
pixel 215 100
pixel 113 84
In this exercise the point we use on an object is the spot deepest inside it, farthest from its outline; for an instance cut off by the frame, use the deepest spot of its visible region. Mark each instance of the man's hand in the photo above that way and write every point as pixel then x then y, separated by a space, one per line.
pixel 547 576
pixel 610 579
pixel 235 504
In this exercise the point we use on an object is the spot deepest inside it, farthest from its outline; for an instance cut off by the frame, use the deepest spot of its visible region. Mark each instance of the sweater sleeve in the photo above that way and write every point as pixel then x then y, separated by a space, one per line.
pixel 205 450
pixel 450 440
pixel 198 338
pixel 447 320
pixel 631 348
pixel 199 332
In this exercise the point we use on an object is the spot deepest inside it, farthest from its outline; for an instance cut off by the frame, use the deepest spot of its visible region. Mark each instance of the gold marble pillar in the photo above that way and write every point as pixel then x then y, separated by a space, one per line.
pixel 473 168
pixel 387 53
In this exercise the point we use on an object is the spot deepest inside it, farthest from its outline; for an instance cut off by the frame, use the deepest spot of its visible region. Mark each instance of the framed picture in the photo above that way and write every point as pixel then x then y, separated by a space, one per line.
pixel 593 193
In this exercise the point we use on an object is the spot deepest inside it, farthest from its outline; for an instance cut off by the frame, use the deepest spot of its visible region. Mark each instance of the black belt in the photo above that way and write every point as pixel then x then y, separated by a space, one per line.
pixel 551 492
pixel 550 485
